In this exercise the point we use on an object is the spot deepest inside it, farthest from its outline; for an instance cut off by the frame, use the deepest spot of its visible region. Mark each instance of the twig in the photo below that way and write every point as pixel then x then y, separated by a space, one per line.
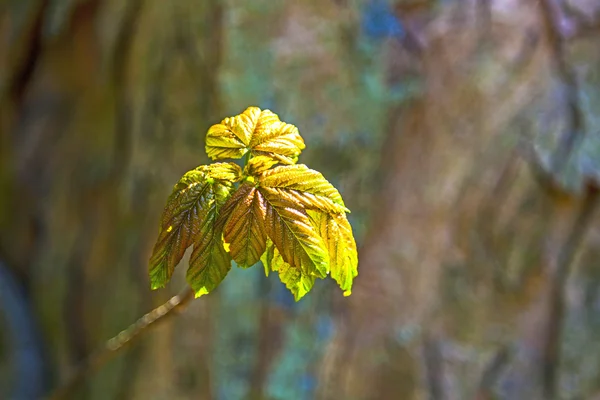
pixel 118 343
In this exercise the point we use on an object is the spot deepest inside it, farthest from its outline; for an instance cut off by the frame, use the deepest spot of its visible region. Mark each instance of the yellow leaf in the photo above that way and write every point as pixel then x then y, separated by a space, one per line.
pixel 293 278
pixel 267 256
pixel 288 216
pixel 259 164
pixel 230 138
pixel 229 171
pixel 303 186
pixel 245 229
pixel 343 257
pixel 279 140
pixel 292 232
pixel 260 132
pixel 209 262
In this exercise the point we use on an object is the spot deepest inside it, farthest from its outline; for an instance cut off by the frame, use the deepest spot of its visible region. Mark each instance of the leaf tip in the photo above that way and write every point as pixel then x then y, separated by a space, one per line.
pixel 200 292
pixel 298 296
pixel 347 293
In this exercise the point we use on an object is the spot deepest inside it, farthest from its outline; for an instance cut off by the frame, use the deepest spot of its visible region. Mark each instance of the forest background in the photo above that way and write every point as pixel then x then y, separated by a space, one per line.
pixel 464 136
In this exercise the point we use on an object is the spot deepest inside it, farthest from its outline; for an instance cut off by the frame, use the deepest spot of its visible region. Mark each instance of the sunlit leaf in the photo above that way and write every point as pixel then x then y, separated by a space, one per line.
pixel 259 164
pixel 303 186
pixel 297 282
pixel 227 172
pixel 280 140
pixel 343 258
pixel 245 230
pixel 287 216
pixel 188 206
pixel 260 132
pixel 231 138
pixel 267 257
pixel 209 262
pixel 291 230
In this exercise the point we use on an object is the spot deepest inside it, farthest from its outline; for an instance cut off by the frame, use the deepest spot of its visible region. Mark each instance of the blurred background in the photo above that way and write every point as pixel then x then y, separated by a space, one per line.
pixel 464 136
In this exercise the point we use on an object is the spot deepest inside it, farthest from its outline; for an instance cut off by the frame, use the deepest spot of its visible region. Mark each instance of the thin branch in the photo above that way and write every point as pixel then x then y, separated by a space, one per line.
pixel 118 343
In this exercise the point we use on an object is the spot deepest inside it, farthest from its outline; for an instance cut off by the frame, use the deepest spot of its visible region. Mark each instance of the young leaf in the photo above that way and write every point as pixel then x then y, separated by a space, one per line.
pixel 210 262
pixel 226 172
pixel 231 138
pixel 245 230
pixel 260 132
pixel 280 141
pixel 290 229
pixel 303 186
pixel 259 164
pixel 288 216
pixel 184 215
pixel 267 257
pixel 343 258
pixel 297 282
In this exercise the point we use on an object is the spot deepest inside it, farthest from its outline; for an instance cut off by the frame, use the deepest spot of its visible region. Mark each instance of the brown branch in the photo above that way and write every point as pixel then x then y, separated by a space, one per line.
pixel 120 342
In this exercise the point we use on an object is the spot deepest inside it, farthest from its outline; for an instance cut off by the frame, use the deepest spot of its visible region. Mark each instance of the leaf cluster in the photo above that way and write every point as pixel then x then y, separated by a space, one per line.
pixel 273 210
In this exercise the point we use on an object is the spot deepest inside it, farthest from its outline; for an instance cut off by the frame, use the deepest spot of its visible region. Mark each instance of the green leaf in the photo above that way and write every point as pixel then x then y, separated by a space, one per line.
pixel 183 220
pixel 267 257
pixel 260 132
pixel 245 230
pixel 297 282
pixel 291 230
pixel 303 186
pixel 343 257
pixel 209 262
